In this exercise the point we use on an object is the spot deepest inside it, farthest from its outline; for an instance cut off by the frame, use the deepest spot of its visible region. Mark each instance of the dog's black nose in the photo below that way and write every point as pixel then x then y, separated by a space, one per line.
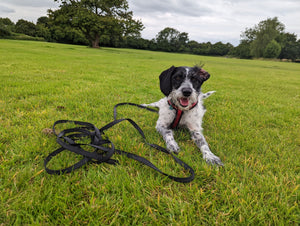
pixel 186 92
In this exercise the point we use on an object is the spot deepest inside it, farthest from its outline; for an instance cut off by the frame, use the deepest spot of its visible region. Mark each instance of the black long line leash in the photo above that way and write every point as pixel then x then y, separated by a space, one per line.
pixel 71 139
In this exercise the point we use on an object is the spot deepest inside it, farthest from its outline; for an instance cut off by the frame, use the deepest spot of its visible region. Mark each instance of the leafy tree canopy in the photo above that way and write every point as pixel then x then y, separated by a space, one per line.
pixel 96 18
pixel 6 27
pixel 6 21
pixel 268 39
pixel 171 40
pixel 272 50
pixel 262 34
pixel 25 27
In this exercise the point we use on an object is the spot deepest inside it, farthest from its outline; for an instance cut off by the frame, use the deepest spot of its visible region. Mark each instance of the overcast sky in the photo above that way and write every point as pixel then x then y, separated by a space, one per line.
pixel 203 20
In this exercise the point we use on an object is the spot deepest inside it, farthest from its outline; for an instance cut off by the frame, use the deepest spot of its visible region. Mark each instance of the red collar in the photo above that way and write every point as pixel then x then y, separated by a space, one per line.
pixel 179 113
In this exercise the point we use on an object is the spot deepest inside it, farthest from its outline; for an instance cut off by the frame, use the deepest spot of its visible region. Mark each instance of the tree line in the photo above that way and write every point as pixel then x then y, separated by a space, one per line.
pixel 268 40
pixel 168 40
pixel 109 23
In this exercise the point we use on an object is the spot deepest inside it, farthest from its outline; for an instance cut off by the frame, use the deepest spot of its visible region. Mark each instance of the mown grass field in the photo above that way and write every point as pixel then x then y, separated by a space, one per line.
pixel 252 123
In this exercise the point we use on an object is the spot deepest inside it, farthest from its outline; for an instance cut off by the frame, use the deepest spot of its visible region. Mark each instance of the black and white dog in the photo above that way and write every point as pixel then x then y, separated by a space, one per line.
pixel 183 107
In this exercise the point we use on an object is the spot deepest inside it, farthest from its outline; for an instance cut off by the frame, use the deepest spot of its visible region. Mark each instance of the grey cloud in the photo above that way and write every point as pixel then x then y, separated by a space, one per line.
pixel 188 8
pixel 4 9
pixel 30 3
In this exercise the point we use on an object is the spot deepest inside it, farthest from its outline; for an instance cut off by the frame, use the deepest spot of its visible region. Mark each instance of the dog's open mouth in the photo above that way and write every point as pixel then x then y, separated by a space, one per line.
pixel 184 102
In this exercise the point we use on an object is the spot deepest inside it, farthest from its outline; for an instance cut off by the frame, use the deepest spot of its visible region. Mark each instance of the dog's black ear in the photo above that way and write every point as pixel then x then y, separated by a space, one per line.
pixel 165 79
pixel 204 75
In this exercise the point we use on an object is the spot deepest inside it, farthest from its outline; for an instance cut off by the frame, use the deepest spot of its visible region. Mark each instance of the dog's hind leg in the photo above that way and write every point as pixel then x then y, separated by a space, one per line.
pixel 206 95
pixel 155 105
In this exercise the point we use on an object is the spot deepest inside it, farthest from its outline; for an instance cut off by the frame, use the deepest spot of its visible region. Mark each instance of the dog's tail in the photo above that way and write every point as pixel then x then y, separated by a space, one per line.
pixel 206 95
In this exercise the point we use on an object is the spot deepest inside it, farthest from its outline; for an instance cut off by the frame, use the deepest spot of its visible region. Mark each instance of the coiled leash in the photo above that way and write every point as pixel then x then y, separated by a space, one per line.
pixel 71 139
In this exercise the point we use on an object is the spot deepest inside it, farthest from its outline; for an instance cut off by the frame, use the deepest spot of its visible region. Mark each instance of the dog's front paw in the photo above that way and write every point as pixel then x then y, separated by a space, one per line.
pixel 213 160
pixel 209 157
pixel 173 147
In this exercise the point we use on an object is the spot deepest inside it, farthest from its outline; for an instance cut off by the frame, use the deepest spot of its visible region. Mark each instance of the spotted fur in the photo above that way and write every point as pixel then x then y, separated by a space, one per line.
pixel 182 85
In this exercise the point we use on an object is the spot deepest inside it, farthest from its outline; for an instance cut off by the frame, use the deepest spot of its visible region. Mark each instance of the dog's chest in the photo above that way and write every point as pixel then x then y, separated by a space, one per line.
pixel 191 118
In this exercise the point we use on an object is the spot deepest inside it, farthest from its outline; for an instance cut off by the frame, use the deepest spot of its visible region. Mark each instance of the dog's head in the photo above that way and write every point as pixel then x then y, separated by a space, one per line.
pixel 183 85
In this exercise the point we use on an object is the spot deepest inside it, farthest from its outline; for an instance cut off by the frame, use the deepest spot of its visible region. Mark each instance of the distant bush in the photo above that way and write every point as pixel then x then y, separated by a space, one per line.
pixel 4 32
pixel 25 30
pixel 6 27
pixel 17 36
pixel 272 50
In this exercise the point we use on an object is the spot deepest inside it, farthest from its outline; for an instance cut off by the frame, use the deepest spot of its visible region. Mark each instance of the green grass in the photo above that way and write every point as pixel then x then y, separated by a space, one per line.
pixel 252 123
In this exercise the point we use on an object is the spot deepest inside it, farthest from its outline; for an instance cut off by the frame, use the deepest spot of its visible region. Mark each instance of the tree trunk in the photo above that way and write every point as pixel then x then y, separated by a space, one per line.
pixel 95 42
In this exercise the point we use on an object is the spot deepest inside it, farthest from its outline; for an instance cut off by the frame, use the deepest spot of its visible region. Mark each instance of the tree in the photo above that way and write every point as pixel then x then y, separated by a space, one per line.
pixel 182 41
pixel 97 18
pixel 290 47
pixel 205 48
pixel 153 45
pixel 6 27
pixel 42 28
pixel 26 27
pixel 220 49
pixel 165 38
pixel 267 39
pixel 67 34
pixel 136 43
pixel 272 50
pixel 193 47
pixel 171 40
pixel 242 50
pixel 261 35
pixel 44 20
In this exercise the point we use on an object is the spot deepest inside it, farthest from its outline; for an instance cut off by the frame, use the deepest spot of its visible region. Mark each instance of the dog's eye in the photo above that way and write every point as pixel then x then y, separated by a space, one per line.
pixel 178 78
pixel 194 80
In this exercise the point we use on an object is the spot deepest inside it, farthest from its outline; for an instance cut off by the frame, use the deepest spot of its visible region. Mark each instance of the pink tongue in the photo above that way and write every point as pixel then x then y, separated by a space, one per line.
pixel 184 102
